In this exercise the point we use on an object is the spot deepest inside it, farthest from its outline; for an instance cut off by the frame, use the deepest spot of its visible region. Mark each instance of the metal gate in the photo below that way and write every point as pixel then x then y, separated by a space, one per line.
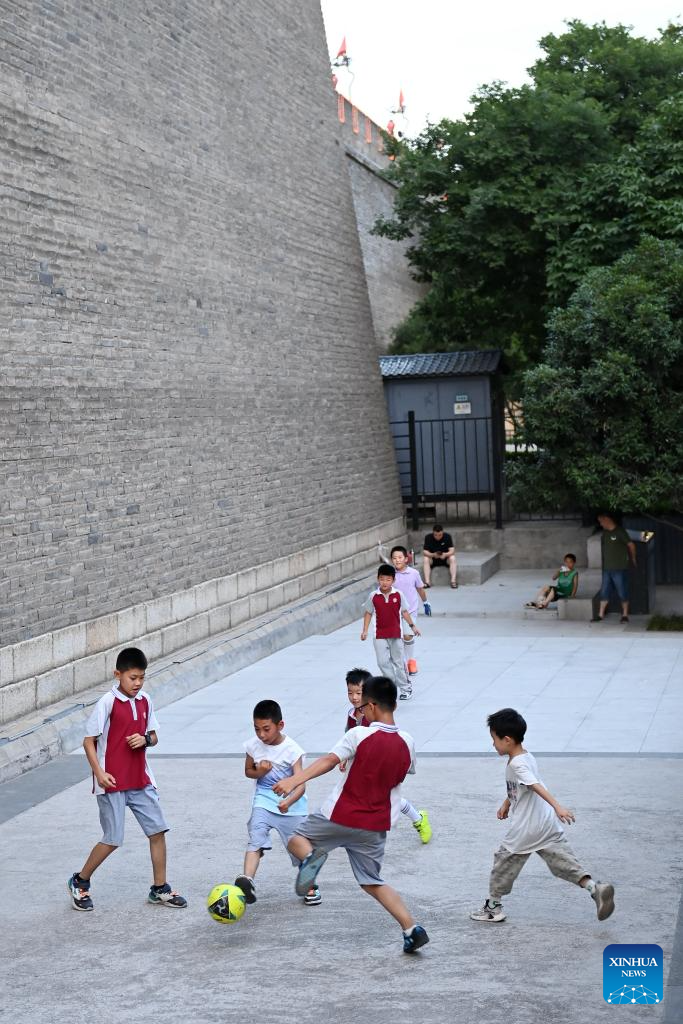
pixel 455 462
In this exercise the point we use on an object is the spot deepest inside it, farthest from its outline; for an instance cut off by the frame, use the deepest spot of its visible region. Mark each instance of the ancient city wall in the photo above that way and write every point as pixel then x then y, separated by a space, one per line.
pixel 189 381
pixel 392 290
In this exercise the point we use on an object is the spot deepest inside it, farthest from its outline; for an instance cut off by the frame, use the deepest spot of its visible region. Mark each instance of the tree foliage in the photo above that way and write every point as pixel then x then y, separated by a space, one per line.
pixel 604 409
pixel 511 205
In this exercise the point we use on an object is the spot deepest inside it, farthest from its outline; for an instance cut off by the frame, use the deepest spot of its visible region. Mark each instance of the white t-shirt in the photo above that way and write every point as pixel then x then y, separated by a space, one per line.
pixel 533 822
pixel 283 756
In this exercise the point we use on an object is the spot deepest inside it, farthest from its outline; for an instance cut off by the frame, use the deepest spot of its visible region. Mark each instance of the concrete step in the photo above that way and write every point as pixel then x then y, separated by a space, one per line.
pixel 474 567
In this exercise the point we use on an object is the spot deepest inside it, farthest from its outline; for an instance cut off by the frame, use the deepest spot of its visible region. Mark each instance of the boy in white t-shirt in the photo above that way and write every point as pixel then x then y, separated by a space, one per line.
pixel 270 757
pixel 409 583
pixel 535 825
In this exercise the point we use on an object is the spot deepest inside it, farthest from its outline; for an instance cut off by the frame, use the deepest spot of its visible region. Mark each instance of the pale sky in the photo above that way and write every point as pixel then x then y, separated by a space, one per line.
pixel 439 51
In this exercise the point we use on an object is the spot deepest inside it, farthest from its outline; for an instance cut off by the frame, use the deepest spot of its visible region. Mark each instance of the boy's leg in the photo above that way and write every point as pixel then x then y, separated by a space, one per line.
pixel 562 862
pixel 112 809
pixel 258 826
pixel 98 855
pixel 383 656
pixel 157 851
pixel 506 868
pixel 392 902
pixel 419 819
pixel 398 673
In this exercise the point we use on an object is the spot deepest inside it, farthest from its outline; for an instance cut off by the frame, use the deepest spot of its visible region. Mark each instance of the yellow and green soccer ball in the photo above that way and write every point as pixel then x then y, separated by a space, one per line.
pixel 226 903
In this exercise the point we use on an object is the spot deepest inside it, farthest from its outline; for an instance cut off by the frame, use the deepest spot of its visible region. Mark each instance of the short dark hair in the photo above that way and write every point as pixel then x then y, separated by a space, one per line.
pixel 386 570
pixel 270 710
pixel 399 547
pixel 437 528
pixel 131 657
pixel 356 676
pixel 381 691
pixel 570 555
pixel 507 722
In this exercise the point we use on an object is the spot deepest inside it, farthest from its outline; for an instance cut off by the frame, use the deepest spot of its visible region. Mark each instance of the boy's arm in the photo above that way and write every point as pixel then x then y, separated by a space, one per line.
pixel 320 766
pixel 409 619
pixel 504 809
pixel 105 779
pixel 284 805
pixel 563 813
pixel 255 771
pixel 555 575
pixel 367 619
pixel 575 585
pixel 422 592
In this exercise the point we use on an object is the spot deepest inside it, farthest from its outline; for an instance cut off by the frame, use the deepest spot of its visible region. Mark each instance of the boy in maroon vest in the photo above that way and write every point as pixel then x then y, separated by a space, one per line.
pixel 119 730
pixel 388 606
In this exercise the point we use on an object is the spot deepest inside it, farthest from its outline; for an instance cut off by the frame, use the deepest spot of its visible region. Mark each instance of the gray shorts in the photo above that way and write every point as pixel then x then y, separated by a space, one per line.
pixel 365 849
pixel 261 823
pixel 144 803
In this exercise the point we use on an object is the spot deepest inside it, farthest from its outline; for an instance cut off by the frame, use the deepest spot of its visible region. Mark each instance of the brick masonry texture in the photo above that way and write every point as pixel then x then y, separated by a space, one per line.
pixel 392 289
pixel 189 380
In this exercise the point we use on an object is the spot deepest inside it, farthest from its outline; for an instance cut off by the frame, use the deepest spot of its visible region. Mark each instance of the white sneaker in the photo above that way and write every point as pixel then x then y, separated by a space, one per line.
pixel 406 695
pixel 490 913
pixel 604 899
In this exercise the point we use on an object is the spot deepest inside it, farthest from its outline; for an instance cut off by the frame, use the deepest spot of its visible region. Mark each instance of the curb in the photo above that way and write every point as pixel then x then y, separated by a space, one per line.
pixel 36 742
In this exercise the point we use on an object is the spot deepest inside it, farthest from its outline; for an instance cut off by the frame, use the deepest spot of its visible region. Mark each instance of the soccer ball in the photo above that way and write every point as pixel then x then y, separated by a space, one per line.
pixel 226 903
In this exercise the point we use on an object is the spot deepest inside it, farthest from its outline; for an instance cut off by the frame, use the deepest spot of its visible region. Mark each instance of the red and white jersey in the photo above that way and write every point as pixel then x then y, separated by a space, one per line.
pixel 351 721
pixel 386 609
pixel 114 717
pixel 368 795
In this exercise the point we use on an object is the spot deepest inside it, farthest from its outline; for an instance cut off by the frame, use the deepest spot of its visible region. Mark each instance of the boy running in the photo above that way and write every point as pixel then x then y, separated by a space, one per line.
pixel 535 825
pixel 389 606
pixel 354 716
pixel 121 727
pixel 363 805
pixel 270 756
pixel 409 582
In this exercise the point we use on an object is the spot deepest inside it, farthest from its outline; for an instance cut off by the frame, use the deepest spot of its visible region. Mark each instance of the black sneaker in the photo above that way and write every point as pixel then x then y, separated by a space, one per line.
pixel 418 937
pixel 246 884
pixel 164 896
pixel 313 897
pixel 80 892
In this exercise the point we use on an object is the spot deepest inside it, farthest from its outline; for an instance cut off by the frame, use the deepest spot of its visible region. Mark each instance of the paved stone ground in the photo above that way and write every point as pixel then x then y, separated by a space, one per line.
pixel 619 770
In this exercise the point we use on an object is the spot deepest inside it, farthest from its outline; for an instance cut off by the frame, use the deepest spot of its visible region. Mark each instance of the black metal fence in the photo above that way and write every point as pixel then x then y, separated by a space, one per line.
pixel 454 463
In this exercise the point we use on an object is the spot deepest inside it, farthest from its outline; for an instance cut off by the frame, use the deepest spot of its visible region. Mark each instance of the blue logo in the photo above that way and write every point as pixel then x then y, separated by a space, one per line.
pixel 633 973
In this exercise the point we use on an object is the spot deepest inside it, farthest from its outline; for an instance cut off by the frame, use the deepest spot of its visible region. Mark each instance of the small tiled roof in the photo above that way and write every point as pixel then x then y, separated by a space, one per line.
pixel 441 364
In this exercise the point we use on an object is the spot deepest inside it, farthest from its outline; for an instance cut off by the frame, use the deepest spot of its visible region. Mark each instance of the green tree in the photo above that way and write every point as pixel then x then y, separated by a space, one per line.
pixel 511 205
pixel 603 412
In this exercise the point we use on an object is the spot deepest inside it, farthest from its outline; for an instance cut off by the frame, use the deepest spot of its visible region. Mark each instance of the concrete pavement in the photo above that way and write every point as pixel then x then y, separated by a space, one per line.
pixel 603 705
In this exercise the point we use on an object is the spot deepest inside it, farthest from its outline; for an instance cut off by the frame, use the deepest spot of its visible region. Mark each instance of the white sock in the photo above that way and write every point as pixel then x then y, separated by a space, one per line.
pixel 590 886
pixel 409 931
pixel 408 809
pixel 493 901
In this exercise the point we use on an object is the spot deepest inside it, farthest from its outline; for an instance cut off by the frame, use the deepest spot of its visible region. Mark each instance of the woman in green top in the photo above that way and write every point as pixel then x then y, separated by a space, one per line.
pixel 567 577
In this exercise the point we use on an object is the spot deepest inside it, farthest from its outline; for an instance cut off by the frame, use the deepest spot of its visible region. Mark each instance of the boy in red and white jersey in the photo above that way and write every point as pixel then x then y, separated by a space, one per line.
pixel 387 606
pixel 363 805
pixel 355 678
pixel 121 727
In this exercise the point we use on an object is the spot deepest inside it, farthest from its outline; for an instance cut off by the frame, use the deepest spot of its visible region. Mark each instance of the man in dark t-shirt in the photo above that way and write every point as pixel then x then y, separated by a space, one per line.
pixel 439 550
pixel 617 551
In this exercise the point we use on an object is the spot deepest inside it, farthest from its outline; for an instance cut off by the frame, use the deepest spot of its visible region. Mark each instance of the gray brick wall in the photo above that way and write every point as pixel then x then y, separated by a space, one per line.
pixel 392 289
pixel 189 384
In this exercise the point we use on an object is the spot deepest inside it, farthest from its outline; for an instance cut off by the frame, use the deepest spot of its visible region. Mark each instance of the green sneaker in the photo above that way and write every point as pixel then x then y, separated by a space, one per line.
pixel 423 828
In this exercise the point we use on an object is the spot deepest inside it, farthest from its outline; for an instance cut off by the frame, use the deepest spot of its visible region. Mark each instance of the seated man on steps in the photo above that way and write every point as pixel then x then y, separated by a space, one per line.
pixel 438 550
